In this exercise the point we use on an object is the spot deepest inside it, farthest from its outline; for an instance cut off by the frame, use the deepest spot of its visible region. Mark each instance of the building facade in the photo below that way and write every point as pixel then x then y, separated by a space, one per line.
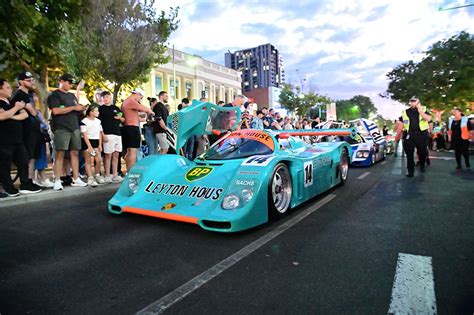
pixel 261 67
pixel 194 78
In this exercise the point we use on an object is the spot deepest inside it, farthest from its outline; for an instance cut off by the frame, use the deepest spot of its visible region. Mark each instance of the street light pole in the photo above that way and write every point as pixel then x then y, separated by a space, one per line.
pixel 174 83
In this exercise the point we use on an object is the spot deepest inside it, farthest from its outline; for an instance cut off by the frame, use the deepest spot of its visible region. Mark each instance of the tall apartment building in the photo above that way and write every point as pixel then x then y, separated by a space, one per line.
pixel 261 67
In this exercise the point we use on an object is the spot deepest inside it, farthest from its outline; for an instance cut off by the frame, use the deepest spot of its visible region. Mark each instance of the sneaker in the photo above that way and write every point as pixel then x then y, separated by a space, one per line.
pixel 29 188
pixel 117 179
pixel 57 185
pixel 410 175
pixel 91 182
pixel 108 179
pixel 78 183
pixel 459 167
pixel 12 192
pixel 100 179
pixel 45 184
pixel 3 194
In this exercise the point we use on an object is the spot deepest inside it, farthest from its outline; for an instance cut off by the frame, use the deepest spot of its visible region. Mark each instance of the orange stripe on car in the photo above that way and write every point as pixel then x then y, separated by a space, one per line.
pixel 161 215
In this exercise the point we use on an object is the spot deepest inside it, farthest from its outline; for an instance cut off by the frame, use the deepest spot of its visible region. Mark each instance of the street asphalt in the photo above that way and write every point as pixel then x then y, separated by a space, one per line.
pixel 68 255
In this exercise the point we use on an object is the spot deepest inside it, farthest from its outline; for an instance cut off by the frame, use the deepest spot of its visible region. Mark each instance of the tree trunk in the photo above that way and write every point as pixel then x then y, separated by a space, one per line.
pixel 43 90
pixel 117 87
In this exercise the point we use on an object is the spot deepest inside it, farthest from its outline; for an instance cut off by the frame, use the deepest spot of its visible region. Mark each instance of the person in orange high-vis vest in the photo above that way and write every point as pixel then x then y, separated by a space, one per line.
pixel 458 133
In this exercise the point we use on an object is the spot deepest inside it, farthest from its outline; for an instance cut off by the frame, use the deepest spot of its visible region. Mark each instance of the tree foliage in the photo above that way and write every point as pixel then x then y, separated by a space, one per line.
pixel 299 103
pixel 443 79
pixel 357 107
pixel 119 41
pixel 30 35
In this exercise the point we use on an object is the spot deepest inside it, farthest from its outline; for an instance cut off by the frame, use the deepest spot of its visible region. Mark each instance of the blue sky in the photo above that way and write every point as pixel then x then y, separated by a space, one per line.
pixel 335 48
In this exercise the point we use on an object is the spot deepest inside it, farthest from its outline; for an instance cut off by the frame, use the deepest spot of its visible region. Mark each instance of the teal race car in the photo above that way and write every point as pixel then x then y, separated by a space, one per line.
pixel 244 179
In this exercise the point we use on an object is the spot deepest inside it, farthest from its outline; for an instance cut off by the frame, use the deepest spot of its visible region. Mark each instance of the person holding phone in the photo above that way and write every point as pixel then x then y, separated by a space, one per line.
pixel 65 123
pixel 415 123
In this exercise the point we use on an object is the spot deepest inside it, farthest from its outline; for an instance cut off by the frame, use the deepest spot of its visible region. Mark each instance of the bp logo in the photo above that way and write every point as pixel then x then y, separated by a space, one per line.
pixel 197 173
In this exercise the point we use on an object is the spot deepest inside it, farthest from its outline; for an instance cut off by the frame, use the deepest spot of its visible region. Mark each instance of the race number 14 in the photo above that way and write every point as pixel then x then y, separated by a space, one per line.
pixel 308 174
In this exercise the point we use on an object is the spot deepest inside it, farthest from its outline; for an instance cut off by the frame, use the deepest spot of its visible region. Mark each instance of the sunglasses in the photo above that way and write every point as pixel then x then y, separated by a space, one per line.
pixel 29 80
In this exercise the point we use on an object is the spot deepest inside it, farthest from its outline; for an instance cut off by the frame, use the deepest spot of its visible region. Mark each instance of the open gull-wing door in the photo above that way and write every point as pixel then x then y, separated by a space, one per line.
pixel 199 119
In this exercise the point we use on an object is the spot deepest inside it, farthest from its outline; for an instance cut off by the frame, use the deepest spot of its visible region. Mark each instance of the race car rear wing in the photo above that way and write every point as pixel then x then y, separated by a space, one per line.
pixel 200 119
pixel 285 134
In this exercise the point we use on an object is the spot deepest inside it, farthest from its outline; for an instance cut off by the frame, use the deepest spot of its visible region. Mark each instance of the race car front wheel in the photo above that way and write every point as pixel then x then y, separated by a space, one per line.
pixel 279 191
pixel 343 166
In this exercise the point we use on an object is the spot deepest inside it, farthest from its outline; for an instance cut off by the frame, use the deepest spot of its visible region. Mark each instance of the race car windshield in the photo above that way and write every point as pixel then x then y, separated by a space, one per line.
pixel 235 148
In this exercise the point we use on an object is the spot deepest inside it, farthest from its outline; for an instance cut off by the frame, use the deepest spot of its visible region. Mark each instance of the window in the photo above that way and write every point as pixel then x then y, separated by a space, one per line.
pixel 172 89
pixel 158 85
pixel 189 88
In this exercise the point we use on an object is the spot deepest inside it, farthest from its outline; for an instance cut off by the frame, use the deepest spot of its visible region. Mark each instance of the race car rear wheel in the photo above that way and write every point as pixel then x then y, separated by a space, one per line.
pixel 279 191
pixel 343 167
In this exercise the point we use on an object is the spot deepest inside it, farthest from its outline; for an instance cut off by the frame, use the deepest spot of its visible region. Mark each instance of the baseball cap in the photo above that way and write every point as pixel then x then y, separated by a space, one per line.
pixel 138 91
pixel 414 98
pixel 67 77
pixel 24 75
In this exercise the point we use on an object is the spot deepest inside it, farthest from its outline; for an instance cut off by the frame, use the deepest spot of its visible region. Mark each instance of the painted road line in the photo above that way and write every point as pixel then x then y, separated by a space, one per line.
pixel 363 175
pixel 180 293
pixel 413 286
pixel 384 162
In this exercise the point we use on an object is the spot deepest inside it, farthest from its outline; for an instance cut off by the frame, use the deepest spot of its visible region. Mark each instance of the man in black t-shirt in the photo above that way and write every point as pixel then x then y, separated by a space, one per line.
pixel 12 148
pixel 159 126
pixel 110 117
pixel 67 136
pixel 31 126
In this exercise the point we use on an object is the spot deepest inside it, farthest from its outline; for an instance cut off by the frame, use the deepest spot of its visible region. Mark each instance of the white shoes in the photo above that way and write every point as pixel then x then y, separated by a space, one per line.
pixel 78 182
pixel 117 179
pixel 100 179
pixel 45 183
pixel 57 185
pixel 91 182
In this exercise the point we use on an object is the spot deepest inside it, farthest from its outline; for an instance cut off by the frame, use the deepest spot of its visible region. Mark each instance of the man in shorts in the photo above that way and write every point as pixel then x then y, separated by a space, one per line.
pixel 67 135
pixel 131 136
pixel 111 117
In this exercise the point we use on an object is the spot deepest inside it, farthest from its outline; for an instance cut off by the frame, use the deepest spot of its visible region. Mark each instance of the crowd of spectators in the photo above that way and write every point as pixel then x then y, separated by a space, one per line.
pixel 86 144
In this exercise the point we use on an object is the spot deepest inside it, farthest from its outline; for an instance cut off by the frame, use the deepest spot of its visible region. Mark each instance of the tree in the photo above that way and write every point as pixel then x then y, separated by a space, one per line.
pixel 357 107
pixel 443 79
pixel 122 40
pixel 299 103
pixel 30 35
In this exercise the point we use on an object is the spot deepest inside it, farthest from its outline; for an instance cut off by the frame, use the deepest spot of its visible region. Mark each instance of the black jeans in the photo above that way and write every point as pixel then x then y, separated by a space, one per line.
pixel 461 147
pixel 13 153
pixel 418 141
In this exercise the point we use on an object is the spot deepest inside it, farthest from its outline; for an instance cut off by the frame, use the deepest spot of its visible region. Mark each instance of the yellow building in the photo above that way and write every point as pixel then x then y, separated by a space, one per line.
pixel 195 78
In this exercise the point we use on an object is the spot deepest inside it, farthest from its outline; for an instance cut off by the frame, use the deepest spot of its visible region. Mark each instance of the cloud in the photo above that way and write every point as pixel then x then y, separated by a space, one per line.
pixel 344 48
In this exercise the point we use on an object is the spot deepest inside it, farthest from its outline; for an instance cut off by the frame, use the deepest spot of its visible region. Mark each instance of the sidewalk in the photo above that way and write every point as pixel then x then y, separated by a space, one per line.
pixel 50 194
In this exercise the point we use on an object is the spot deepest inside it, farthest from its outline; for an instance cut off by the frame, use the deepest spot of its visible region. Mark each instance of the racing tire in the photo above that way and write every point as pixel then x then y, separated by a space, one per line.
pixel 280 191
pixel 343 167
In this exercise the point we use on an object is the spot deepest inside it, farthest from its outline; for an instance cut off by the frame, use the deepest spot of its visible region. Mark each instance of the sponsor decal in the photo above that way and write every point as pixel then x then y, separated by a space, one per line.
pixel 245 182
pixel 325 160
pixel 168 206
pixel 249 173
pixel 198 172
pixel 256 135
pixel 258 160
pixel 177 190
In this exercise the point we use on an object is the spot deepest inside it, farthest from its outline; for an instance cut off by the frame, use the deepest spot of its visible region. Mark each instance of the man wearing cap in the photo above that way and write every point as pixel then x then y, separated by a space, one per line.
pixel 31 126
pixel 131 136
pixel 12 148
pixel 415 123
pixel 65 125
